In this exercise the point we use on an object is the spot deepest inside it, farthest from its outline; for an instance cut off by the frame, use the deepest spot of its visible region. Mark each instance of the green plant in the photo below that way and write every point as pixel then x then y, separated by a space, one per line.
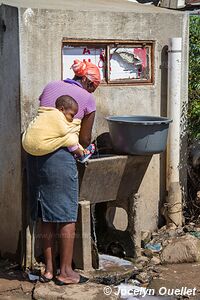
pixel 194 78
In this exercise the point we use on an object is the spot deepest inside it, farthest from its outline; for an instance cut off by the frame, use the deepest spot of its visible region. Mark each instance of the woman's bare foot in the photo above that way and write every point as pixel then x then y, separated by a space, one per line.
pixel 72 278
pixel 48 275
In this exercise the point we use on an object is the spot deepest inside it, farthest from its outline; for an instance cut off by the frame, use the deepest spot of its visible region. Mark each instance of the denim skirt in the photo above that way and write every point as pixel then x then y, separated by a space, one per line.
pixel 53 186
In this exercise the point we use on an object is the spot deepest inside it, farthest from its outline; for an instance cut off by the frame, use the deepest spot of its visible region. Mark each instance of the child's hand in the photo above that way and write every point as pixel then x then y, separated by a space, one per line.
pixel 86 151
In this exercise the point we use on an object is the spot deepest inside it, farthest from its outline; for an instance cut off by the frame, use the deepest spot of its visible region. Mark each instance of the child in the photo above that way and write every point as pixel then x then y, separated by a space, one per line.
pixel 53 128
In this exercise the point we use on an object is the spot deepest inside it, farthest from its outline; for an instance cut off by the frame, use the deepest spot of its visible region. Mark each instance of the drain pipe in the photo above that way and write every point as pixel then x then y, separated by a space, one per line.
pixel 174 201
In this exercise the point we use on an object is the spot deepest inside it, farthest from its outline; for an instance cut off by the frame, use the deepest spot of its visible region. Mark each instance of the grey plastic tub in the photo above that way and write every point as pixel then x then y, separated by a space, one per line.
pixel 139 135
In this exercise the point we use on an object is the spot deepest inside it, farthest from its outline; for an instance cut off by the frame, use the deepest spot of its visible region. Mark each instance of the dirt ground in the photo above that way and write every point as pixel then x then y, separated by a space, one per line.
pixel 14 284
pixel 177 276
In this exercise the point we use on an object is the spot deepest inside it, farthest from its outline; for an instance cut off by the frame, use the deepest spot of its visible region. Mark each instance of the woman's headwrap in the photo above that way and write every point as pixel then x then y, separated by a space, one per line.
pixel 88 69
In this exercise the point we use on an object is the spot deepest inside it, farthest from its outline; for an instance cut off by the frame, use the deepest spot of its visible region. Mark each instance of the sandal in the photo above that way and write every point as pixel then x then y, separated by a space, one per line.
pixel 82 280
pixel 44 279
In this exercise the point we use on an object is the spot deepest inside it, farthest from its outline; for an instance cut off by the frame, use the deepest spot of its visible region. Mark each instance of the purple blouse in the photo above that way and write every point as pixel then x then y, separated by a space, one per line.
pixel 55 89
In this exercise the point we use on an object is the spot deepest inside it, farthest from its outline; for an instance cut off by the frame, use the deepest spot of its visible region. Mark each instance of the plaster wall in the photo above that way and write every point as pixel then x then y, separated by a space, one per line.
pixel 41 33
pixel 10 146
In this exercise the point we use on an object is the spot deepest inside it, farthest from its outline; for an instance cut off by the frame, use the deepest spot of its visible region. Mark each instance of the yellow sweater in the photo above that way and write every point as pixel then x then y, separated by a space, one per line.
pixel 49 131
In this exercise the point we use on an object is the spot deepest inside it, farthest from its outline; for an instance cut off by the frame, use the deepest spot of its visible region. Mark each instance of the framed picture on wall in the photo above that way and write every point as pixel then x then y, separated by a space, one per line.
pixel 119 62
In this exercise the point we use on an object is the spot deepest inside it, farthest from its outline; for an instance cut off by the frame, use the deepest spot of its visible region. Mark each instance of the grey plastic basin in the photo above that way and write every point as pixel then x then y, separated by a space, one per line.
pixel 139 135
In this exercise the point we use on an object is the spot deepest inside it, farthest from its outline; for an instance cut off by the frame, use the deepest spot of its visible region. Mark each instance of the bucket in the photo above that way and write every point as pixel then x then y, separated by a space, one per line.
pixel 139 135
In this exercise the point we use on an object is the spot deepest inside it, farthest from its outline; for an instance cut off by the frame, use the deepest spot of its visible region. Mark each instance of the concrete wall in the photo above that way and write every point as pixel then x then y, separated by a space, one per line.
pixel 10 146
pixel 41 33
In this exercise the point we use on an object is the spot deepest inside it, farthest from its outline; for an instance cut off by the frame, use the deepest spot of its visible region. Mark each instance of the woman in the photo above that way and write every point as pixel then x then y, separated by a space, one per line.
pixel 53 178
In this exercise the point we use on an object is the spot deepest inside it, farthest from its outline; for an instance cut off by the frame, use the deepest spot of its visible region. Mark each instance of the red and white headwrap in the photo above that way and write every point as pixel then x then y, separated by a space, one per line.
pixel 87 69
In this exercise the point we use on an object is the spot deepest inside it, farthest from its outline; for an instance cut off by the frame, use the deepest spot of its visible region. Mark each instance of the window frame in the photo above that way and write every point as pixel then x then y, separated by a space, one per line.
pixel 111 43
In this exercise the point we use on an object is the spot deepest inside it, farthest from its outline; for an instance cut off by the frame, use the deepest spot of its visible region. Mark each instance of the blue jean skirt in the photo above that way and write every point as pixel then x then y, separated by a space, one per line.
pixel 53 186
